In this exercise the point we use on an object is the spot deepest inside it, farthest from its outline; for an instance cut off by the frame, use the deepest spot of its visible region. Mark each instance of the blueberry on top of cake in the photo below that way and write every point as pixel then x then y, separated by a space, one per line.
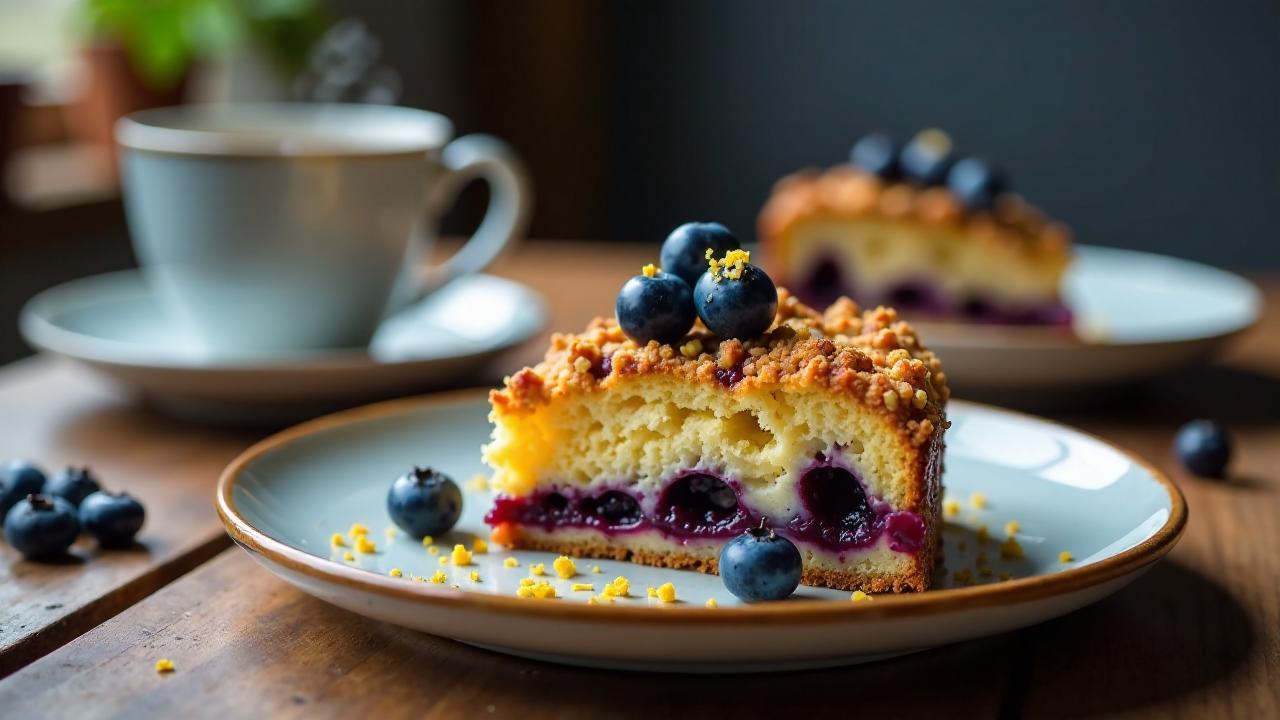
pixel 918 228
pixel 825 425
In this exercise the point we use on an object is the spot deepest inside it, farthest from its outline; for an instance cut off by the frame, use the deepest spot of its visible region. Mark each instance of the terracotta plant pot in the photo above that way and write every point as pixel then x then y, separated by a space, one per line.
pixel 112 89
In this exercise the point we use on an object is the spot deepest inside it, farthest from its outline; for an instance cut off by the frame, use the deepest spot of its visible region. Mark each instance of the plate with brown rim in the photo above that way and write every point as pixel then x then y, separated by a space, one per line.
pixel 1088 516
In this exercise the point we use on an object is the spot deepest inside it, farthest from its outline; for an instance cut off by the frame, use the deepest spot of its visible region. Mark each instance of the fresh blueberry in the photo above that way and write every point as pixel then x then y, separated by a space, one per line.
pixel 760 565
pixel 18 479
pixel 976 183
pixel 655 307
pixel 741 307
pixel 424 502
pixel 1204 447
pixel 112 518
pixel 684 252
pixel 877 154
pixel 927 158
pixel 41 526
pixel 72 485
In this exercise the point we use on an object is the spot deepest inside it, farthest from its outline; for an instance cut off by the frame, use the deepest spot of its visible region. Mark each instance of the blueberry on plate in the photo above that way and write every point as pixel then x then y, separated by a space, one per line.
pixel 877 154
pixel 424 502
pixel 684 252
pixel 760 565
pixel 72 485
pixel 736 299
pixel 41 526
pixel 114 519
pixel 976 183
pixel 18 479
pixel 1204 447
pixel 927 158
pixel 655 306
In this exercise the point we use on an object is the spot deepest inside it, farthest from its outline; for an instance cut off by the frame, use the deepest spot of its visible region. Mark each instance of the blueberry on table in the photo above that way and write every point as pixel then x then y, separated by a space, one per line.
pixel 736 299
pixel 877 154
pixel 976 183
pixel 655 306
pixel 927 158
pixel 114 519
pixel 1204 447
pixel 18 479
pixel 41 526
pixel 684 252
pixel 760 565
pixel 72 485
pixel 424 502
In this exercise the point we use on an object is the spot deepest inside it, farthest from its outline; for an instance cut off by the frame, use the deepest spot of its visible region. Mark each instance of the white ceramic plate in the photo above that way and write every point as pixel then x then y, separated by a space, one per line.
pixel 284 498
pixel 1137 313
pixel 115 324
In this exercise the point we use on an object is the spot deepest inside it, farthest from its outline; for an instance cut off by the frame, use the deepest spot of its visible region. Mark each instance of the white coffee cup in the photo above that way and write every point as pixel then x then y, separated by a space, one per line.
pixel 278 228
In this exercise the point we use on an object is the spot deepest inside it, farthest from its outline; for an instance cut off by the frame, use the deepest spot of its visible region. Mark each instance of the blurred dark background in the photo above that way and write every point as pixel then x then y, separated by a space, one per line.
pixel 1151 125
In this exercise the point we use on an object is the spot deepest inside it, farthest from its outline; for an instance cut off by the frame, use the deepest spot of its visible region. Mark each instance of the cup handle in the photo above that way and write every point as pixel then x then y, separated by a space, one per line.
pixel 510 204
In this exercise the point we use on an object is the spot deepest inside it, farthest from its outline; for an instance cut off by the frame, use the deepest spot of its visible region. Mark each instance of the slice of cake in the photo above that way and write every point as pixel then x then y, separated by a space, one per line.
pixel 827 426
pixel 913 230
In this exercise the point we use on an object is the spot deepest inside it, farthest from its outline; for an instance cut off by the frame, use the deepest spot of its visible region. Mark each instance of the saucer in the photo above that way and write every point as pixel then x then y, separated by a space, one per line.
pixel 1137 314
pixel 116 325
pixel 284 498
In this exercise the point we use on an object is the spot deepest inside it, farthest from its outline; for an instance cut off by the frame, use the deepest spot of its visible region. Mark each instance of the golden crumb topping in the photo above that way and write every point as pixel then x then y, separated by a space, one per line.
pixel 649 270
pixel 871 355
pixel 731 267
pixel 846 191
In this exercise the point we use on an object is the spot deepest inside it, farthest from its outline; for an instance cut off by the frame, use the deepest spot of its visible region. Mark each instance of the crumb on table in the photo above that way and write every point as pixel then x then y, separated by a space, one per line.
pixel 667 593
pixel 564 567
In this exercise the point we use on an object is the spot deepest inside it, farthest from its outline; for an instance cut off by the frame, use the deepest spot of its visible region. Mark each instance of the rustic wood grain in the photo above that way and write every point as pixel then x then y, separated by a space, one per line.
pixel 246 644
pixel 57 415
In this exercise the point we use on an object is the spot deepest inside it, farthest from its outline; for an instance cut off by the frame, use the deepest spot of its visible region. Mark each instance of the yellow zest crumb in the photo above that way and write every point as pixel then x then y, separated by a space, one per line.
pixel 596 569
pixel 337 540
pixel 649 270
pixel 479 546
pixel 602 598
pixel 1004 575
pixel 667 593
pixel 365 545
pixel 358 529
pixel 526 582
pixel 620 587
pixel 859 596
pixel 565 567
pixel 651 591
pixel 582 587
pixel 711 603
pixel 978 500
pixel 475 576
pixel 540 591
pixel 427 540
pixel 691 349
pixel 592 600
pixel 444 559
pixel 919 399
pixel 396 572
pixel 461 555
pixel 348 556
pixel 582 365
pixel 1012 527
pixel 983 534
pixel 538 569
pixel 511 562
pixel 440 577
pixel 433 550
pixel 1065 556
pixel 1010 549
pixel 164 665
pixel 731 267
pixel 390 532
pixel 890 400
pixel 478 482
pixel 951 507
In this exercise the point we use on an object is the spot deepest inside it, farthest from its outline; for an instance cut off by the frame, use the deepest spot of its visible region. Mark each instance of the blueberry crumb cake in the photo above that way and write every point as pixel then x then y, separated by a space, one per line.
pixel 657 437
pixel 916 229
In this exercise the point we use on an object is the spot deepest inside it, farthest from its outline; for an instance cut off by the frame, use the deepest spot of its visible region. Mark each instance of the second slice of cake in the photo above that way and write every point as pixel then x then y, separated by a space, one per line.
pixel 828 428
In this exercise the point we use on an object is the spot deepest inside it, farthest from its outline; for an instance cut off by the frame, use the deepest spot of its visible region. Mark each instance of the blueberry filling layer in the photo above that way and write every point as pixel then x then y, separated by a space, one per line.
pixel 837 514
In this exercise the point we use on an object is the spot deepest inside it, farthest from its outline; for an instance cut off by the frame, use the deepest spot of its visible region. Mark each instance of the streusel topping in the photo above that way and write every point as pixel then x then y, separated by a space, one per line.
pixel 873 355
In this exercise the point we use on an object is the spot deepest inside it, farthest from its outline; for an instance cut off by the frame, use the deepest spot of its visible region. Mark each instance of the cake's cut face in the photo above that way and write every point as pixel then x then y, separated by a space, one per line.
pixel 847 232
pixel 828 427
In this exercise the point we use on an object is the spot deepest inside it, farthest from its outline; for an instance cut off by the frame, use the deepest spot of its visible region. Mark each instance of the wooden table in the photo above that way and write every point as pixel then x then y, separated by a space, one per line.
pixel 1198 636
